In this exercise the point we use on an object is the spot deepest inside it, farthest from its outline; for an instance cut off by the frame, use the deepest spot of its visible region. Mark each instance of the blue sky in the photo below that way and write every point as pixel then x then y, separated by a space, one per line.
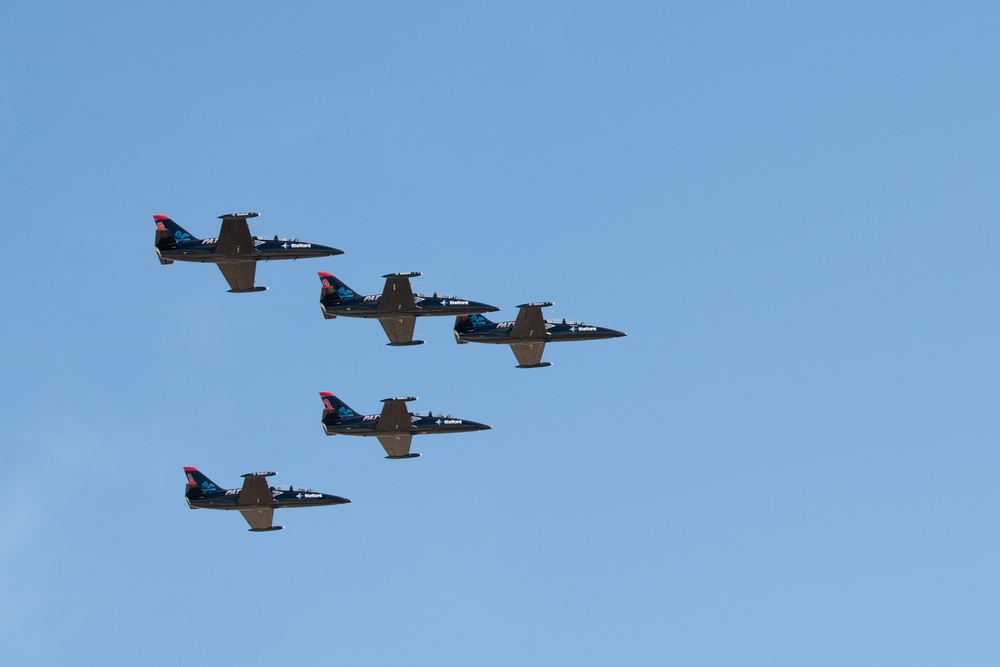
pixel 790 208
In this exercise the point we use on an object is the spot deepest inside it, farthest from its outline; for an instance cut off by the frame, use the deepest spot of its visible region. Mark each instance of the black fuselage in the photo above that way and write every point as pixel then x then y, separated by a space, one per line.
pixel 424 306
pixel 367 425
pixel 228 499
pixel 499 333
pixel 203 250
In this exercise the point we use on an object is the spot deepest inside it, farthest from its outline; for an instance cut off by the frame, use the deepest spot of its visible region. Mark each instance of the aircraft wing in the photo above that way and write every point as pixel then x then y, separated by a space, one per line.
pixel 529 354
pixel 398 329
pixel 397 295
pixel 239 276
pixel 234 237
pixel 396 445
pixel 259 519
pixel 529 322
pixel 255 491
pixel 395 417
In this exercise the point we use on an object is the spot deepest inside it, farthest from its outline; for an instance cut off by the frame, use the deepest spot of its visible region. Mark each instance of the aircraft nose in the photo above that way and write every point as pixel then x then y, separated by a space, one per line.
pixel 337 500
pixel 325 250
pixel 615 334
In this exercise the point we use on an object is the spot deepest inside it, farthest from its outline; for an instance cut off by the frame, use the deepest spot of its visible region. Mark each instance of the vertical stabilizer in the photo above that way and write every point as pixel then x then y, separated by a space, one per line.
pixel 198 485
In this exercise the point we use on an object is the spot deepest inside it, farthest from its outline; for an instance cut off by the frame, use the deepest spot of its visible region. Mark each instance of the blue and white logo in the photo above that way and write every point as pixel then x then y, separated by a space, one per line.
pixel 345 411
pixel 207 487
pixel 477 320
pixel 345 293
pixel 182 236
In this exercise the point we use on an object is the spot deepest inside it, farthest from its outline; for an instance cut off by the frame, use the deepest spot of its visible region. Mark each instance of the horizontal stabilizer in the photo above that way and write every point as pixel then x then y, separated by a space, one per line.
pixel 238 215
pixel 405 399
pixel 406 456
pixel 537 304
pixel 410 274
pixel 265 530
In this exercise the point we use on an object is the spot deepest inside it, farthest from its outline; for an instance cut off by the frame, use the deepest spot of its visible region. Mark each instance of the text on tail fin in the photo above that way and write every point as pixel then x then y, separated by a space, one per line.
pixel 334 404
pixel 167 227
pixel 197 480
pixel 335 285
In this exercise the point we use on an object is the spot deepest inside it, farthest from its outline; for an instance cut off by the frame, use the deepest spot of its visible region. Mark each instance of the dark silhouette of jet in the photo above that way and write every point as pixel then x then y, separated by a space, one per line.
pixel 396 308
pixel 234 251
pixel 394 427
pixel 528 334
pixel 255 501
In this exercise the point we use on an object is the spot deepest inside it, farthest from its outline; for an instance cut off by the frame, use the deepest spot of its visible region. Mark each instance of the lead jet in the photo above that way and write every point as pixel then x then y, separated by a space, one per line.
pixel 396 308
pixel 256 501
pixel 394 427
pixel 234 251
pixel 528 334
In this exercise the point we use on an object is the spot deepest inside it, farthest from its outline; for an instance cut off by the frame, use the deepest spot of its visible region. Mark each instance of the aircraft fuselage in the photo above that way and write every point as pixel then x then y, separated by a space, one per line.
pixel 424 306
pixel 228 499
pixel 367 425
pixel 499 333
pixel 204 251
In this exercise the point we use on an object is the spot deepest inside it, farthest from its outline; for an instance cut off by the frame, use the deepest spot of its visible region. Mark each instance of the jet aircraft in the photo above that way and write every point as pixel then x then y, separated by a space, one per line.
pixel 396 308
pixel 394 427
pixel 234 251
pixel 528 334
pixel 255 501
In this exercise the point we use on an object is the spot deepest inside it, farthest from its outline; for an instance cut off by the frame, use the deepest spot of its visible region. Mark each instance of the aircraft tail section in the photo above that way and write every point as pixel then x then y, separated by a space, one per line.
pixel 470 323
pixel 334 409
pixel 334 292
pixel 198 485
pixel 169 233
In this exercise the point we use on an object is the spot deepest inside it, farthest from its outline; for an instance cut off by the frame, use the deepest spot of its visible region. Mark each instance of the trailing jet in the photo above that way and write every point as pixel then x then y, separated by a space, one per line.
pixel 234 251
pixel 528 334
pixel 396 308
pixel 255 501
pixel 394 427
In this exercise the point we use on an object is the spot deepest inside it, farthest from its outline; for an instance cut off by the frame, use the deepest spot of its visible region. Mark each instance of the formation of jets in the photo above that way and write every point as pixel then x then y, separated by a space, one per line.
pixel 236 252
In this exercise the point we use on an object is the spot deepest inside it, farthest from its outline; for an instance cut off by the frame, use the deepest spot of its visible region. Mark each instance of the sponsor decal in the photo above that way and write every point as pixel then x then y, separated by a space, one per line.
pixel 345 293
pixel 182 236
pixel 207 487
pixel 345 411
pixel 477 320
